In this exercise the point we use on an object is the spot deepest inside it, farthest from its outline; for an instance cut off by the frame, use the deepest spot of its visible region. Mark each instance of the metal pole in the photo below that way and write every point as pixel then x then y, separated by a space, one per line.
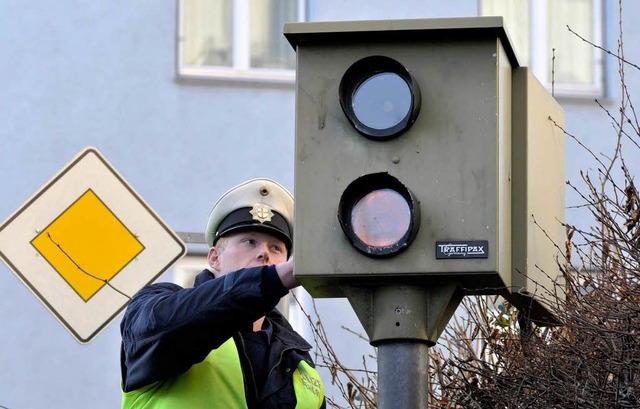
pixel 403 376
pixel 402 321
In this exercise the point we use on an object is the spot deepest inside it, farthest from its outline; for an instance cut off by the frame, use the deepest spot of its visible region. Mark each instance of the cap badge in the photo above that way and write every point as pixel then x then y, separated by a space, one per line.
pixel 261 213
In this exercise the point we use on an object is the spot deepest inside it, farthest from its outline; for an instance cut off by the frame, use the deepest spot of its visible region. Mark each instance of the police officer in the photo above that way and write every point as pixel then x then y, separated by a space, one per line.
pixel 221 344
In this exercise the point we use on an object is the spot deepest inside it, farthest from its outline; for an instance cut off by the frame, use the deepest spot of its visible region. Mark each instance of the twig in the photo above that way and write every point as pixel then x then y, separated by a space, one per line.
pixel 106 282
pixel 603 49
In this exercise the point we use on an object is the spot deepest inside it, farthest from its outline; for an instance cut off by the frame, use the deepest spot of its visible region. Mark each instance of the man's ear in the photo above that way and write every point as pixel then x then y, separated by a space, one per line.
pixel 214 259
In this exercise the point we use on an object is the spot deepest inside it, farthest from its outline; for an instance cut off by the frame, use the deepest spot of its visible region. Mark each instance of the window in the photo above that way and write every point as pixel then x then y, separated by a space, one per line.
pixel 236 39
pixel 562 61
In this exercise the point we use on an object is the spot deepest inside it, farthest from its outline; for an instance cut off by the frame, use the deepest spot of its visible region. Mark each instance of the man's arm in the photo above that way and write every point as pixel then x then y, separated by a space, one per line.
pixel 285 272
pixel 167 328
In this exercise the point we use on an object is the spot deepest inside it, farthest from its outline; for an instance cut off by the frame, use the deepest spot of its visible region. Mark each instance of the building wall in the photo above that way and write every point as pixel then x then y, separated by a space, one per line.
pixel 76 74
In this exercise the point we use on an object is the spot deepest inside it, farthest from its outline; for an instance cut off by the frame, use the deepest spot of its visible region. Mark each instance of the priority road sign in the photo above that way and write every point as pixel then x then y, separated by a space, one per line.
pixel 85 243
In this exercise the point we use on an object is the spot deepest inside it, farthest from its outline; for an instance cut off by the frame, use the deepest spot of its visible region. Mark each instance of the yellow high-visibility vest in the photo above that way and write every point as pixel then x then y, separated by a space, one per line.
pixel 217 382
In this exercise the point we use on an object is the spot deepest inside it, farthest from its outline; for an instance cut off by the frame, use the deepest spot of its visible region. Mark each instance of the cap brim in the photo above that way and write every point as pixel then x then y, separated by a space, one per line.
pixel 260 228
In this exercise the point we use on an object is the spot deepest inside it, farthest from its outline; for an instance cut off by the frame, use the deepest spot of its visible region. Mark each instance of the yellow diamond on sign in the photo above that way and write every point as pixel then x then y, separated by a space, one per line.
pixel 87 245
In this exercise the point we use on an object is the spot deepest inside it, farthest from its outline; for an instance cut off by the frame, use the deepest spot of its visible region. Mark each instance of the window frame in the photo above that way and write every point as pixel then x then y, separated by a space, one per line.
pixel 240 70
pixel 540 55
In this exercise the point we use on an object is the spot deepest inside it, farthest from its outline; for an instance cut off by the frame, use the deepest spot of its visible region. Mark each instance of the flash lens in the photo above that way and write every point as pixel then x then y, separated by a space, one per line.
pixel 381 218
pixel 379 215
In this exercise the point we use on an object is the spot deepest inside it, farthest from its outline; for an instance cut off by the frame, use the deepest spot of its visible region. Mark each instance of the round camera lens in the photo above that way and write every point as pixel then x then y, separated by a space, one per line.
pixel 382 101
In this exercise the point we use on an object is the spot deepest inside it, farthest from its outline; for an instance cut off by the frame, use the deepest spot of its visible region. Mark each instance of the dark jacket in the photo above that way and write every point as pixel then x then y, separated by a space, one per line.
pixel 166 329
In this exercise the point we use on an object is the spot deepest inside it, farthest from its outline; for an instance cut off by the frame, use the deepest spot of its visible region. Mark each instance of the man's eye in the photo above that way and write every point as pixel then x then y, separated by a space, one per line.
pixel 249 241
pixel 276 249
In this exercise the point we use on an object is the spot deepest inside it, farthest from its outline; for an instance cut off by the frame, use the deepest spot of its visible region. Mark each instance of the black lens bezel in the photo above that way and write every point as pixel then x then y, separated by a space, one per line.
pixel 361 71
pixel 358 189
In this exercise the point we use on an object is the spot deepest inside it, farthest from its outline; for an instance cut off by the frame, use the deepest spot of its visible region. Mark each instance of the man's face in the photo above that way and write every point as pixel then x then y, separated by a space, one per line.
pixel 246 249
